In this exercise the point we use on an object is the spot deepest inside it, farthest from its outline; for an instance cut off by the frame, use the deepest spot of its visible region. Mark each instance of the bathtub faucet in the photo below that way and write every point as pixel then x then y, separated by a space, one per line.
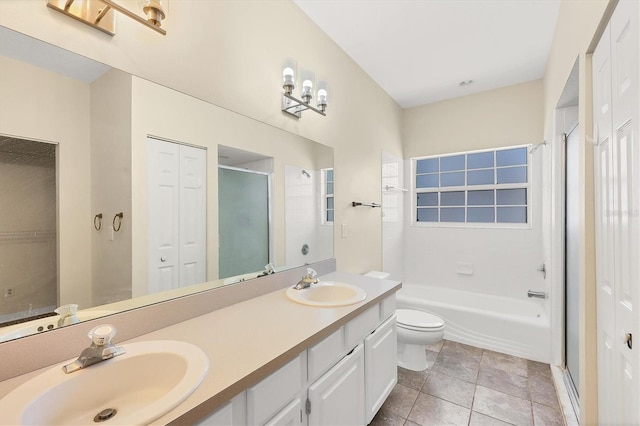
pixel 538 294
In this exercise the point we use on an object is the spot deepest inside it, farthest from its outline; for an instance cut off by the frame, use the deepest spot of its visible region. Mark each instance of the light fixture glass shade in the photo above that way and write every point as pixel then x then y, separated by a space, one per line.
pixel 322 99
pixel 307 88
pixel 287 77
pixel 154 11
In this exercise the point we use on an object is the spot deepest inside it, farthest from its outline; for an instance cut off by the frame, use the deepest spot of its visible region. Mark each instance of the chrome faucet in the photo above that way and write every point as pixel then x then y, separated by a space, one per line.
pixel 100 350
pixel 268 270
pixel 67 314
pixel 307 280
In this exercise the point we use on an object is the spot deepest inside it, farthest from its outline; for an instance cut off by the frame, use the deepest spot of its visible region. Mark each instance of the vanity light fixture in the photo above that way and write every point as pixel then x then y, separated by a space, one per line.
pixel 100 14
pixel 294 106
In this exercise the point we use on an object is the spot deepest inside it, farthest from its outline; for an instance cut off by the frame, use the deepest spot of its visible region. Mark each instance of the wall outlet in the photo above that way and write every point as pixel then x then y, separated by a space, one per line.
pixel 464 268
pixel 344 230
pixel 10 292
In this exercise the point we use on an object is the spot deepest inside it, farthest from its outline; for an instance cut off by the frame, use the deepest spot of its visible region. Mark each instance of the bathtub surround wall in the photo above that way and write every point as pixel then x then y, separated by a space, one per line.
pixel 393 207
pixel 504 261
pixel 303 208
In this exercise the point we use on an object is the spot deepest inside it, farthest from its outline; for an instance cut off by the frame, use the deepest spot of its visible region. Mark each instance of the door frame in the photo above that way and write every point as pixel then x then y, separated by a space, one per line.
pixel 269 175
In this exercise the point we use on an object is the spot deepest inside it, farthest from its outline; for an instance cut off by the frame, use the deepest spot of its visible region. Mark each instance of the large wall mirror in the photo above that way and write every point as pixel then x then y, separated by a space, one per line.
pixel 119 192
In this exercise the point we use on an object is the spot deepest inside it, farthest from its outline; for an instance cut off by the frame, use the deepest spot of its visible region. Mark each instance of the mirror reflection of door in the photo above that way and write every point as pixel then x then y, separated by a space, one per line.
pixel 177 215
pixel 28 244
pixel 243 209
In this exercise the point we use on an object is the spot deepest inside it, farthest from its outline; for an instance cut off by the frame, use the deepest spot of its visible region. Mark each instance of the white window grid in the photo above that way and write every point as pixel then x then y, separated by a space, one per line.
pixel 467 188
pixel 326 197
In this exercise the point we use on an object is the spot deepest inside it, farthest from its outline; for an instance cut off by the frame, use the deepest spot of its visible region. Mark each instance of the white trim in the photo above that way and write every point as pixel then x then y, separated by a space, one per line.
pixel 324 196
pixel 529 186
pixel 570 417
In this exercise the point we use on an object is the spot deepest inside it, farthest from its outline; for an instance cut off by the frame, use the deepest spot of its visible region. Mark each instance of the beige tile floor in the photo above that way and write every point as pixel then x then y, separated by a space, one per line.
pixel 465 385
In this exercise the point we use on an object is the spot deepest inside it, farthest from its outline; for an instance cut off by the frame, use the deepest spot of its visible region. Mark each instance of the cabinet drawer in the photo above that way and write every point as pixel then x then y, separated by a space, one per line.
pixel 356 330
pixel 271 395
pixel 388 307
pixel 325 354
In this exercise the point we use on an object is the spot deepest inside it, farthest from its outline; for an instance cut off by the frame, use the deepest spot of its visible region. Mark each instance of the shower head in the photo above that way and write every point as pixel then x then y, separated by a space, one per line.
pixel 304 172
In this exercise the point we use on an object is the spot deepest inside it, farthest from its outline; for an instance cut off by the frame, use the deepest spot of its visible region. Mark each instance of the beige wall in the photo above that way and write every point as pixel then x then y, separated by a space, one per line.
pixel 231 53
pixel 41 105
pixel 508 116
pixel 111 186
pixel 577 26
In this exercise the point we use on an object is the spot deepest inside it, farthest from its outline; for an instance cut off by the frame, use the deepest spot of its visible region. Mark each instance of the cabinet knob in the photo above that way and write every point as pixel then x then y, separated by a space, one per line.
pixel 163 259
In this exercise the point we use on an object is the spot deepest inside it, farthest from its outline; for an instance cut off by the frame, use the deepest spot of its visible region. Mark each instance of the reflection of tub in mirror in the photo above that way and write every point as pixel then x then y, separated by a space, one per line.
pixel 116 112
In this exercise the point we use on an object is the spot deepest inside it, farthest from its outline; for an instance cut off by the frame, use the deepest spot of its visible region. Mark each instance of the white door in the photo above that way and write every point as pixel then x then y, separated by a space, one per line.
pixel 193 198
pixel 617 184
pixel 337 398
pixel 177 215
pixel 164 210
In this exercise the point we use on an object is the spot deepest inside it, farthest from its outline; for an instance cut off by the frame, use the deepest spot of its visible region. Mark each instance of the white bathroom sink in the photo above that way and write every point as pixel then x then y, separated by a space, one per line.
pixel 327 294
pixel 146 382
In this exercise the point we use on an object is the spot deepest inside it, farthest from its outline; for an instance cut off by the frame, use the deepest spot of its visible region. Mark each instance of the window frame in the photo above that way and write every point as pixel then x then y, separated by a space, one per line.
pixel 528 186
pixel 325 196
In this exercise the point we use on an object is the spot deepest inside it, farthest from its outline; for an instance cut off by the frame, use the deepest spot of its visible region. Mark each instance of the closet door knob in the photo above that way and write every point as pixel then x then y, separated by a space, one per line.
pixel 628 339
pixel 163 259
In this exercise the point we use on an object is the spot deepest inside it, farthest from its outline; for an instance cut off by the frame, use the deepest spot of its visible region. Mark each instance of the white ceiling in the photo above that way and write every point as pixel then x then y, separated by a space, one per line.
pixel 419 51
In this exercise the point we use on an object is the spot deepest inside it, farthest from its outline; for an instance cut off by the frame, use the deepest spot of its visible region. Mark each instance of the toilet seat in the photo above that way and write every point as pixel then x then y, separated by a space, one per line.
pixel 411 319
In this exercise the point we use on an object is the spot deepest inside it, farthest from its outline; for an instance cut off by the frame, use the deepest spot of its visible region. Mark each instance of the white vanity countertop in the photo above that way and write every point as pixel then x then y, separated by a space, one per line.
pixel 247 341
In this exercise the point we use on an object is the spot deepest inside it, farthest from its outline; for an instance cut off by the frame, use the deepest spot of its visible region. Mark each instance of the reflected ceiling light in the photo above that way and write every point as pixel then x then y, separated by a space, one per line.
pixel 294 106
pixel 100 14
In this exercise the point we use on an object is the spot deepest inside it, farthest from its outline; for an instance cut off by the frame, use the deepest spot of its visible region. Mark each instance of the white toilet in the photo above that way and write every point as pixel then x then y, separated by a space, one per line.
pixel 415 330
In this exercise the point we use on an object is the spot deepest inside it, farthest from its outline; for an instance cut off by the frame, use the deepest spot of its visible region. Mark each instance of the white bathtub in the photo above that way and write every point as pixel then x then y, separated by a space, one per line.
pixel 512 326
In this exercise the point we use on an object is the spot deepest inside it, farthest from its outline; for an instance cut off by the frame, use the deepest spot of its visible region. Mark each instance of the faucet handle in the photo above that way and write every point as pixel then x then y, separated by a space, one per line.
pixel 311 273
pixel 102 334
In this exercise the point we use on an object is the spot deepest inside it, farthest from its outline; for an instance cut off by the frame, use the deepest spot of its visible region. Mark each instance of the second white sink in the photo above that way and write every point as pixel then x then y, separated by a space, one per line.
pixel 146 382
pixel 327 294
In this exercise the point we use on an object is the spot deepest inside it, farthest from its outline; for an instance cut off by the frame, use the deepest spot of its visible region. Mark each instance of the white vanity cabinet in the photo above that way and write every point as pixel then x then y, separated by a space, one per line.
pixel 342 380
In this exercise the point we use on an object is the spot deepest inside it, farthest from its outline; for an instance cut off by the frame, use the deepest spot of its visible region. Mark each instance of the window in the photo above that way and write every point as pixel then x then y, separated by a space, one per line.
pixel 327 195
pixel 480 187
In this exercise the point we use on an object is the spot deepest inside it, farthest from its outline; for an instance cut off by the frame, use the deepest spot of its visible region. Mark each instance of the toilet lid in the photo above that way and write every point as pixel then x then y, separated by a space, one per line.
pixel 417 319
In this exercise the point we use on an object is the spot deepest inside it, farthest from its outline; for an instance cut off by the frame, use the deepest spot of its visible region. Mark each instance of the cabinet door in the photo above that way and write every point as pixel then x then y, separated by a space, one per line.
pixel 291 415
pixel 337 398
pixel 274 392
pixel 233 413
pixel 380 361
